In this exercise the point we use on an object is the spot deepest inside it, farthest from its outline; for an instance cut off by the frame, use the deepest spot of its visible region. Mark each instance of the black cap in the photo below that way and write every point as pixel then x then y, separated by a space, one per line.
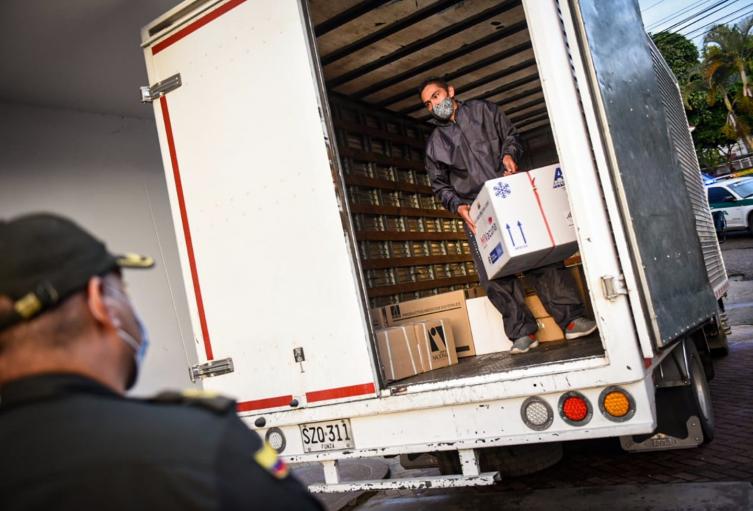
pixel 45 258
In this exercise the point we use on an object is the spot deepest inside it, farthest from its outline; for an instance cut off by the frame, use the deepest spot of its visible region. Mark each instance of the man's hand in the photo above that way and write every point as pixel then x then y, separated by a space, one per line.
pixel 510 166
pixel 464 210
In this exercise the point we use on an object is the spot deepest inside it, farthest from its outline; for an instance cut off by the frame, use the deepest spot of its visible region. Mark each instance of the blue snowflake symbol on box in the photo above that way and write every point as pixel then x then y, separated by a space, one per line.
pixel 502 190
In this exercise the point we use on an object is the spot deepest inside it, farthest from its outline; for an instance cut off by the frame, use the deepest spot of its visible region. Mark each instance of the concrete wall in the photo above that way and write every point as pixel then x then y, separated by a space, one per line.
pixel 105 172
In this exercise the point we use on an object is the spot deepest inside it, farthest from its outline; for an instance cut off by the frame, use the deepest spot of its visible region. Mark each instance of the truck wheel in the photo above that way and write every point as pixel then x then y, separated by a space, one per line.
pixel 699 394
pixel 509 461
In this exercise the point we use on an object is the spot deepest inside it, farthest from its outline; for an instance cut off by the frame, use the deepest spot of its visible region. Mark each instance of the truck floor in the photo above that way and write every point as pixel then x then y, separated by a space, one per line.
pixel 546 353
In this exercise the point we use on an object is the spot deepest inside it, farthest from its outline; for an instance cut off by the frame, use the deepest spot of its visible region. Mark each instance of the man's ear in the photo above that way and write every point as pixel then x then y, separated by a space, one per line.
pixel 95 300
pixel 451 91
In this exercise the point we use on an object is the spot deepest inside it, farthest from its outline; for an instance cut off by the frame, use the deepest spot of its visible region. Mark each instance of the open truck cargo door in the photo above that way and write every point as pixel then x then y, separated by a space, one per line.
pixel 663 223
pixel 257 205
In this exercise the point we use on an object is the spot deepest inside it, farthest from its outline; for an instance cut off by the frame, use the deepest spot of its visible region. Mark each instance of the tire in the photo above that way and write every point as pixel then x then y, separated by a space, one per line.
pixel 750 224
pixel 699 394
pixel 707 362
pixel 509 461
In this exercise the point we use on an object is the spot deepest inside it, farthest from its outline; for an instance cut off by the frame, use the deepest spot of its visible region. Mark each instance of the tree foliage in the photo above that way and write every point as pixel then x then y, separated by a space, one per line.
pixel 679 52
pixel 726 62
pixel 716 90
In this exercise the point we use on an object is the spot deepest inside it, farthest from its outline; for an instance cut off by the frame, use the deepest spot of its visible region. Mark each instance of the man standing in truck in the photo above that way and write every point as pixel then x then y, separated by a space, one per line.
pixel 71 345
pixel 472 143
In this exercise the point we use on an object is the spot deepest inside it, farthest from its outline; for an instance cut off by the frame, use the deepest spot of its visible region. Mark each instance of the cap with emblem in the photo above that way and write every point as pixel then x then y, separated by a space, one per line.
pixel 45 258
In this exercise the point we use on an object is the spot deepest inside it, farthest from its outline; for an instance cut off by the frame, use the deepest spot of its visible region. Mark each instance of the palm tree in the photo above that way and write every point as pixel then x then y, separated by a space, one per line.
pixel 727 57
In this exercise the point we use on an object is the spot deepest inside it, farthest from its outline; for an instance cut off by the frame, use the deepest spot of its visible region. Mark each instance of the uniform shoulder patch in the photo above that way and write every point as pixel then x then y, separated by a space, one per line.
pixel 269 460
pixel 193 397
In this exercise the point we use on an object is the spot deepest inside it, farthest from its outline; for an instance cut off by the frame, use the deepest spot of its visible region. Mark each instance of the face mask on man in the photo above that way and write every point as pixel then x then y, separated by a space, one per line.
pixel 139 347
pixel 443 109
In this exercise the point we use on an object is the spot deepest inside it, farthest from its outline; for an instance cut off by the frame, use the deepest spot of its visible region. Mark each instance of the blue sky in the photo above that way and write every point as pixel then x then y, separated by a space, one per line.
pixel 662 14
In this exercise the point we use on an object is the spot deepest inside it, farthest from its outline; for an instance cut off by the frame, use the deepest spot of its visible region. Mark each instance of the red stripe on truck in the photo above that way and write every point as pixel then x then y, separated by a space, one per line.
pixel 339 392
pixel 259 404
pixel 186 227
pixel 193 27
pixel 318 395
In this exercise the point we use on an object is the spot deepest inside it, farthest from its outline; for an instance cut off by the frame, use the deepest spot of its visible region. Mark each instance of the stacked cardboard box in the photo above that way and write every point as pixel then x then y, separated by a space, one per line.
pixel 548 328
pixel 450 307
pixel 398 352
pixel 428 333
pixel 415 348
pixel 487 326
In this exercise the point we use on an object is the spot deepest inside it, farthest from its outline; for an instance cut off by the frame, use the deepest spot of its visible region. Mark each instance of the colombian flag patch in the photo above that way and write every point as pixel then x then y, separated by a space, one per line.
pixel 269 461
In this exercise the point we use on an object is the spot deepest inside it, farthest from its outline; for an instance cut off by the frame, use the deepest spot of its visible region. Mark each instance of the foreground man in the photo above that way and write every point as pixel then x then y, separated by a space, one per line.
pixel 473 143
pixel 71 344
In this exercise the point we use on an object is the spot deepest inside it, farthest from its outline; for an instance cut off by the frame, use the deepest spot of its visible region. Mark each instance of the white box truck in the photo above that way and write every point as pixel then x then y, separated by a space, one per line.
pixel 280 289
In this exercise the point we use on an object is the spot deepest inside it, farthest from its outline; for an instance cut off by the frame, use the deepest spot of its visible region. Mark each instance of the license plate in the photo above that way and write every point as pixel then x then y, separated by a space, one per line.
pixel 325 436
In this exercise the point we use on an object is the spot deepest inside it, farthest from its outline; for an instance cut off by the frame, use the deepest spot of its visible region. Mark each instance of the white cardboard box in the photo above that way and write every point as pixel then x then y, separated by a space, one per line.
pixel 523 221
pixel 487 326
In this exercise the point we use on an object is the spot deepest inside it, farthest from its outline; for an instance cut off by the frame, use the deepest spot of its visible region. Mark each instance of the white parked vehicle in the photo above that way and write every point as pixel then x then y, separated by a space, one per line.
pixel 270 257
pixel 734 197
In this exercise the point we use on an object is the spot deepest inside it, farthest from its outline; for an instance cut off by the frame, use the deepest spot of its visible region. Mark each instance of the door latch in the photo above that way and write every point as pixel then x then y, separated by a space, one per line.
pixel 211 368
pixel 159 89
pixel 613 286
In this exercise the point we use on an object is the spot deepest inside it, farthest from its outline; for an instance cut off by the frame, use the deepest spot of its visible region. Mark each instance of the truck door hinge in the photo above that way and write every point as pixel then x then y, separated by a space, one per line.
pixel 613 286
pixel 150 93
pixel 211 368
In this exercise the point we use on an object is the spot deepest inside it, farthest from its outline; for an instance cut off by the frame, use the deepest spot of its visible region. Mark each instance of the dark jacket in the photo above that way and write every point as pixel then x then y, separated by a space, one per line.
pixel 70 443
pixel 462 155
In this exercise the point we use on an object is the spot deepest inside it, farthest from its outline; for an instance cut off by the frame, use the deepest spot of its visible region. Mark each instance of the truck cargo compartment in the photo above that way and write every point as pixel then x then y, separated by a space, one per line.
pixel 409 246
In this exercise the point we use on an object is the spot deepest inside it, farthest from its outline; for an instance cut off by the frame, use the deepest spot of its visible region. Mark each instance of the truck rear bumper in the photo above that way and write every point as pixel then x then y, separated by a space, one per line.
pixel 482 424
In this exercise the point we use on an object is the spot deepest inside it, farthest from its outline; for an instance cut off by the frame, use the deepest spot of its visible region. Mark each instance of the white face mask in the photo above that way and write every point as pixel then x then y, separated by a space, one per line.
pixel 443 109
pixel 139 347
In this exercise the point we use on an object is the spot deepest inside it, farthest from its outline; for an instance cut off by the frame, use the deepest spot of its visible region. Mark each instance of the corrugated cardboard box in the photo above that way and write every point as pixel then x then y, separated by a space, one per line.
pixel 523 221
pixel 475 292
pixel 549 184
pixel 487 326
pixel 378 317
pixel 398 352
pixel 548 330
pixel 448 306
pixel 535 306
pixel 436 345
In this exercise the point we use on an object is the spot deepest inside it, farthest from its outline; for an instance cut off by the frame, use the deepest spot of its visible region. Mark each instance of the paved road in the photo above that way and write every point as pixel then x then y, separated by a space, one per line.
pixel 738 259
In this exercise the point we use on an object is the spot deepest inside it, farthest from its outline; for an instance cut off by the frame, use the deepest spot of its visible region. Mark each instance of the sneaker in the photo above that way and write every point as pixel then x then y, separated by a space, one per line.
pixel 579 327
pixel 523 344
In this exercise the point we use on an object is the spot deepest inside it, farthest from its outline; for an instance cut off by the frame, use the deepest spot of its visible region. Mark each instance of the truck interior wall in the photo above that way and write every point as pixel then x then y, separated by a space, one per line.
pixel 105 172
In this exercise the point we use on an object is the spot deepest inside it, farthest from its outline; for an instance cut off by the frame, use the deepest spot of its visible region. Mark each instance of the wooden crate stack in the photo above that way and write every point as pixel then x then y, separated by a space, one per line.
pixel 410 246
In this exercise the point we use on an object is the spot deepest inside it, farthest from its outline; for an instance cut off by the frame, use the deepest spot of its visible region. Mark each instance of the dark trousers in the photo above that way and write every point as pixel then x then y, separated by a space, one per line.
pixel 553 284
